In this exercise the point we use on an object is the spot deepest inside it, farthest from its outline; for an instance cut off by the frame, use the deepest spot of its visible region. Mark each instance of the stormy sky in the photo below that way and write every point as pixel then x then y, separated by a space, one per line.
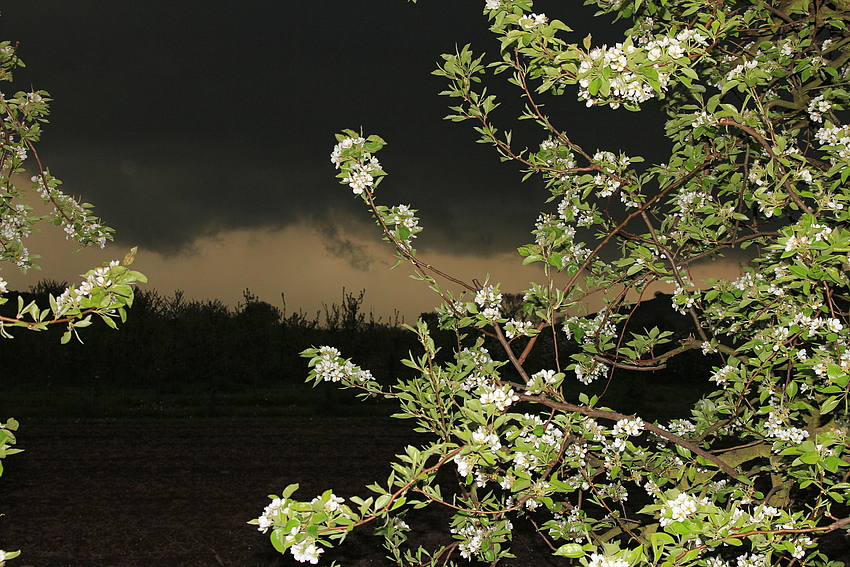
pixel 201 131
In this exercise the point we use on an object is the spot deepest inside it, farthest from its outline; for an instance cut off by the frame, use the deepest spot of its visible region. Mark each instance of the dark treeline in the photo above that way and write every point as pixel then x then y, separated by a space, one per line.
pixel 174 345
pixel 170 342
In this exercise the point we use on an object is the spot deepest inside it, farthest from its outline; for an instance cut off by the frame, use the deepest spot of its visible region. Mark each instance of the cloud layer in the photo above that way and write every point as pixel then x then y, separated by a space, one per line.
pixel 201 130
pixel 180 120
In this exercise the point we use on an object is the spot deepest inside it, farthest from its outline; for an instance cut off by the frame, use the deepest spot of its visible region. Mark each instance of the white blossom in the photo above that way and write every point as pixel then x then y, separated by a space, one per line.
pixel 775 427
pixel 702 119
pixel 347 143
pixel 589 372
pixel 472 538
pixel 628 427
pixel 516 328
pixel 359 179
pixel 531 21
pixel 739 69
pixel 266 519
pixel 800 545
pixel 464 464
pixel 678 509
pixel 306 551
pixel 333 503
pixel 482 436
pixel 751 560
pixel 598 560
pixel 488 296
pixel 818 106
pixel 490 300
pixel 681 427
pixel 500 396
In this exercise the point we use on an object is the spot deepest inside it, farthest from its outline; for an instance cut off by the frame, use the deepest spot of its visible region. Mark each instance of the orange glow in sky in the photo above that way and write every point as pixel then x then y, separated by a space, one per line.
pixel 293 261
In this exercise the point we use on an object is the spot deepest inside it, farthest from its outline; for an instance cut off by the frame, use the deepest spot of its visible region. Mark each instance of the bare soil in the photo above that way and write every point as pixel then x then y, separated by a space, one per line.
pixel 159 494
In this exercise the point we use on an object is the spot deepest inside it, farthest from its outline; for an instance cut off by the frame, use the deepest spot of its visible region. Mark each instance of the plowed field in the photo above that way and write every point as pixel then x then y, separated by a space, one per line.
pixel 149 495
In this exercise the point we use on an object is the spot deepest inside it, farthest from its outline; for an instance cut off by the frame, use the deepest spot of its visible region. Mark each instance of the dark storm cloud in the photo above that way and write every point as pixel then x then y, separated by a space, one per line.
pixel 355 255
pixel 183 119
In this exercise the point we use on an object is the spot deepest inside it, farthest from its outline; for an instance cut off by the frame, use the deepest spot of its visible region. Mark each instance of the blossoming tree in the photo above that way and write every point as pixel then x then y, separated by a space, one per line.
pixel 105 291
pixel 757 472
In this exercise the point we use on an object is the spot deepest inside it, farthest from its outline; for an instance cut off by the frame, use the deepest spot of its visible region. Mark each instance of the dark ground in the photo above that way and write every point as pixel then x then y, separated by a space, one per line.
pixel 161 495
pixel 157 495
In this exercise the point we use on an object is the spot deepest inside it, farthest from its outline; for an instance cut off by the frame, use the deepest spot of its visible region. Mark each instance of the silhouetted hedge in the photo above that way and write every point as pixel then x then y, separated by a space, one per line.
pixel 176 345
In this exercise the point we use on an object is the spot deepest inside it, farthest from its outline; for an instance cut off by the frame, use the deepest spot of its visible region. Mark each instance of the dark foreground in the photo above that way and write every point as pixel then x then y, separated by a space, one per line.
pixel 161 495
pixel 110 495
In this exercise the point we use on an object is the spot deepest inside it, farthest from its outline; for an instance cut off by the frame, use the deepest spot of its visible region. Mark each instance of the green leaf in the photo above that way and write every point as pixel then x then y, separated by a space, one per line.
pixel 571 550
pixel 829 404
pixel 810 457
pixel 278 539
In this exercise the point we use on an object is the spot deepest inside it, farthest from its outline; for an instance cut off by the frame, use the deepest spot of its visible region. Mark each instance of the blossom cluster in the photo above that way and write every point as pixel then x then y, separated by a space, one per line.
pixel 482 373
pixel 306 551
pixel 590 330
pixel 628 427
pixel 517 328
pixel 281 511
pixel 489 300
pixel 590 371
pixel 360 176
pixel 331 367
pixel 483 436
pixel 626 64
pixel 823 357
pixel 266 519
pixel 499 396
pixel 678 509
pixel 569 527
pixel 536 442
pixel 817 107
pixel 555 155
pixel 741 68
pixel 15 225
pixel 549 228
pixel 601 560
pixel 99 278
pixel 721 376
pixel 683 300
pixel 531 21
pixel 406 223
pixel 836 138
pixel 689 201
pixel 624 85
pixel 475 535
pixel 538 381
pixel 573 209
pixel 551 231
pixel 359 167
pixel 776 428
pixel 344 146
pixel 73 217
